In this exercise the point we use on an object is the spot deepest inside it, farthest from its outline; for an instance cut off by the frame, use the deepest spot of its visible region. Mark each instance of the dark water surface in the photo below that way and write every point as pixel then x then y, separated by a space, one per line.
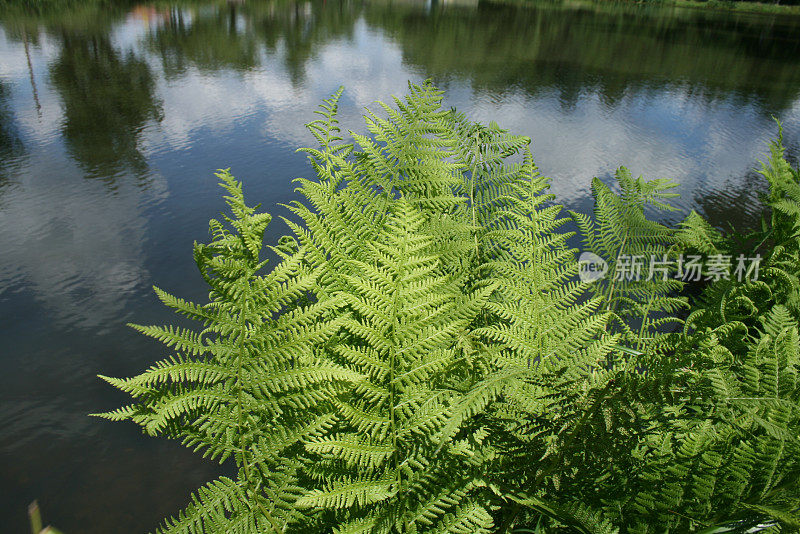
pixel 112 122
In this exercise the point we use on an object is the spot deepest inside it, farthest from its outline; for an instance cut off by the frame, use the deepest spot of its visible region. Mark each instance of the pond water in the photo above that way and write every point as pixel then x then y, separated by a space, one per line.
pixel 113 120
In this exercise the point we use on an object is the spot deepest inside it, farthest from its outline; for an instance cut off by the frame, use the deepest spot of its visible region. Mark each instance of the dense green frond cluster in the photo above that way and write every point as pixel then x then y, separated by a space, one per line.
pixel 378 467
pixel 741 303
pixel 389 233
pixel 428 355
pixel 742 452
pixel 738 362
pixel 250 384
pixel 641 289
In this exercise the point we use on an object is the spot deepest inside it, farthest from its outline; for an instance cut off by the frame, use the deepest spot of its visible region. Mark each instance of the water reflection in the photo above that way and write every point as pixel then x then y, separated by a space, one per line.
pixel 11 146
pixel 79 251
pixel 108 97
pixel 208 41
pixel 146 101
pixel 608 50
pixel 298 30
pixel 233 36
pixel 736 207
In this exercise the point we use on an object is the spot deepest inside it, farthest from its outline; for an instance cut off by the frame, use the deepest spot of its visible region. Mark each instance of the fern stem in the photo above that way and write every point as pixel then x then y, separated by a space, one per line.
pixel 472 191
pixel 639 344
pixel 239 405
pixel 393 401
pixel 611 287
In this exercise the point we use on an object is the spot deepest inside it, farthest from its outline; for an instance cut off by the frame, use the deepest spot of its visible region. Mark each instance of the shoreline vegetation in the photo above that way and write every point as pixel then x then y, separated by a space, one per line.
pixel 718 5
pixel 738 6
pixel 735 6
pixel 741 7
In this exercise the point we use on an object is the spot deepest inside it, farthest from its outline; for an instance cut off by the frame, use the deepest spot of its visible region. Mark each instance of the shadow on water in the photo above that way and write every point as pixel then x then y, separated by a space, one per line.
pixel 736 206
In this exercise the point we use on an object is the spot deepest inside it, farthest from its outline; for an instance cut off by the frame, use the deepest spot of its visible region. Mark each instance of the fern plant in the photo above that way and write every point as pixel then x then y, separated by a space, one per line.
pixel 727 450
pixel 378 468
pixel 249 385
pixel 712 443
pixel 388 231
pixel 738 305
pixel 641 290
pixel 735 427
pixel 425 358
